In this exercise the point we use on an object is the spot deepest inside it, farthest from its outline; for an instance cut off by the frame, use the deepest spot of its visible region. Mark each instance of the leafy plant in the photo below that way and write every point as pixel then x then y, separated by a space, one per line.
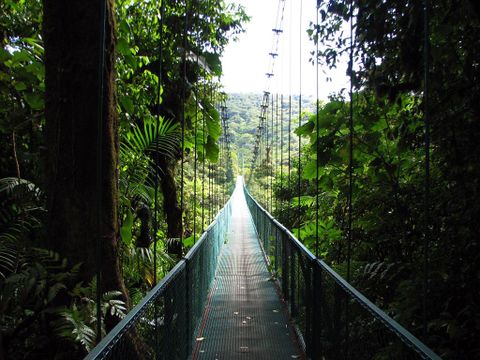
pixel 30 297
pixel 21 209
pixel 77 323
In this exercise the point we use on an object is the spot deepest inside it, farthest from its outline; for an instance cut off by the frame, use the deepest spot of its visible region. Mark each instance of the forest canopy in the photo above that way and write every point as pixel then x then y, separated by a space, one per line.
pixel 66 181
pixel 414 236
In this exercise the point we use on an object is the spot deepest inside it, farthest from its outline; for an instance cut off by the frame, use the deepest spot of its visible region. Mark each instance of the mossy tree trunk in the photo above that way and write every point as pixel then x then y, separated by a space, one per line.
pixel 71 33
pixel 172 108
pixel 173 212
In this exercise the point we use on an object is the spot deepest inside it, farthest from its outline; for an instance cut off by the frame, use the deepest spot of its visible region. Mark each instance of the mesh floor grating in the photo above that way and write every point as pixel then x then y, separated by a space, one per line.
pixel 244 318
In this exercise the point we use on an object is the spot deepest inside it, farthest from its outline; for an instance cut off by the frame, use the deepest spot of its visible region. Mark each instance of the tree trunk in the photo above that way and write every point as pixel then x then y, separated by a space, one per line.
pixel 72 36
pixel 170 205
pixel 172 108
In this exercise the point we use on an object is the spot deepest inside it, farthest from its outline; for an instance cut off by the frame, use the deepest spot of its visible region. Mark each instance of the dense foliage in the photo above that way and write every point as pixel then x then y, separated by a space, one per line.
pixel 389 256
pixel 48 308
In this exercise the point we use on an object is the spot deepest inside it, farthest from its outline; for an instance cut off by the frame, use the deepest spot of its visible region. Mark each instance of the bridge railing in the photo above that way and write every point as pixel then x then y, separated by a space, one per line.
pixel 333 320
pixel 164 323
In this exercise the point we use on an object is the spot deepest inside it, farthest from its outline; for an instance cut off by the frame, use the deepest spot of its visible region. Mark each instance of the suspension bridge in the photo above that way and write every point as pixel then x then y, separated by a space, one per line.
pixel 249 288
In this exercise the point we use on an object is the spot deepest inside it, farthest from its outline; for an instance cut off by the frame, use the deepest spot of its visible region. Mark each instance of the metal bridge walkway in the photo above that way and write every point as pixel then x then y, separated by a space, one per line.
pixel 244 317
pixel 219 302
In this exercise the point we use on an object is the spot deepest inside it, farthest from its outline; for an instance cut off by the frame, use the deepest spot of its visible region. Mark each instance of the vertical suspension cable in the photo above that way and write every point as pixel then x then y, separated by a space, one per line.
pixel 221 168
pixel 350 148
pixel 157 150
pixel 267 129
pixel 219 175
pixel 289 141
pixel 217 179
pixel 209 164
pixel 282 91
pixel 299 190
pixel 195 157
pixel 290 101
pixel 266 155
pixel 272 137
pixel 210 201
pixel 281 150
pixel 225 158
pixel 276 145
pixel 426 65
pixel 204 153
pixel 317 135
pixel 157 168
pixel 99 167
pixel 226 150
pixel 220 157
pixel 184 85
pixel 350 179
pixel 215 173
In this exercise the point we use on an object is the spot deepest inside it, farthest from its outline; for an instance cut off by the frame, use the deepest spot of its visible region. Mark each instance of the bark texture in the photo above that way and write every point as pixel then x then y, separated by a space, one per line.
pixel 171 207
pixel 71 33
pixel 172 108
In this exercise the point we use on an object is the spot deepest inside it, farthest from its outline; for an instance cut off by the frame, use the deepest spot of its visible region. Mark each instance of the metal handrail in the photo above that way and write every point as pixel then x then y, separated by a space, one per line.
pixel 390 324
pixel 282 227
pixel 104 347
pixel 407 337
pixel 106 344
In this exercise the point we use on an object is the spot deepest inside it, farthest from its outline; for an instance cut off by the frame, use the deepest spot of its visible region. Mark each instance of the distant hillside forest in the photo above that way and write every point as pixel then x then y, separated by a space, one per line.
pixel 243 118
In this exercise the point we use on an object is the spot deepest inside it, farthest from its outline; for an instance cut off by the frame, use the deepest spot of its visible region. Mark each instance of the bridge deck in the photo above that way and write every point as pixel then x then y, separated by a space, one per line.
pixel 244 318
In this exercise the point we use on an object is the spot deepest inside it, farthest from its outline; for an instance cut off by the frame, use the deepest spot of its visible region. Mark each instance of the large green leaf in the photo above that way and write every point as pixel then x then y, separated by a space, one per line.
pixel 212 150
pixel 35 100
pixel 305 129
pixel 214 63
pixel 140 141
pixel 310 170
pixel 126 229
pixel 127 104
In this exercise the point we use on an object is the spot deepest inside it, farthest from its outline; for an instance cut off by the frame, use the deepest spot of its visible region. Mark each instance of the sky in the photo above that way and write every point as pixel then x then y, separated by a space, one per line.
pixel 246 61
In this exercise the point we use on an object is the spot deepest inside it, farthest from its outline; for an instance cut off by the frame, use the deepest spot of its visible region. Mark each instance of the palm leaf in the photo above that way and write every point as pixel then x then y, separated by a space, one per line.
pixel 150 139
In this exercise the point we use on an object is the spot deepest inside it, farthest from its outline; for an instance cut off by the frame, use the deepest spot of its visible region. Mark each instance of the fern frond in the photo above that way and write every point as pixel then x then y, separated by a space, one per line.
pixel 20 189
pixel 72 325
pixel 50 259
pixel 9 254
pixel 116 307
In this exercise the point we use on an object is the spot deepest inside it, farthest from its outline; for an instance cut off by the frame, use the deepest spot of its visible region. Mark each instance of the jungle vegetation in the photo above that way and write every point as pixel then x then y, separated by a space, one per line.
pixel 66 181
pixel 389 257
pixel 50 168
